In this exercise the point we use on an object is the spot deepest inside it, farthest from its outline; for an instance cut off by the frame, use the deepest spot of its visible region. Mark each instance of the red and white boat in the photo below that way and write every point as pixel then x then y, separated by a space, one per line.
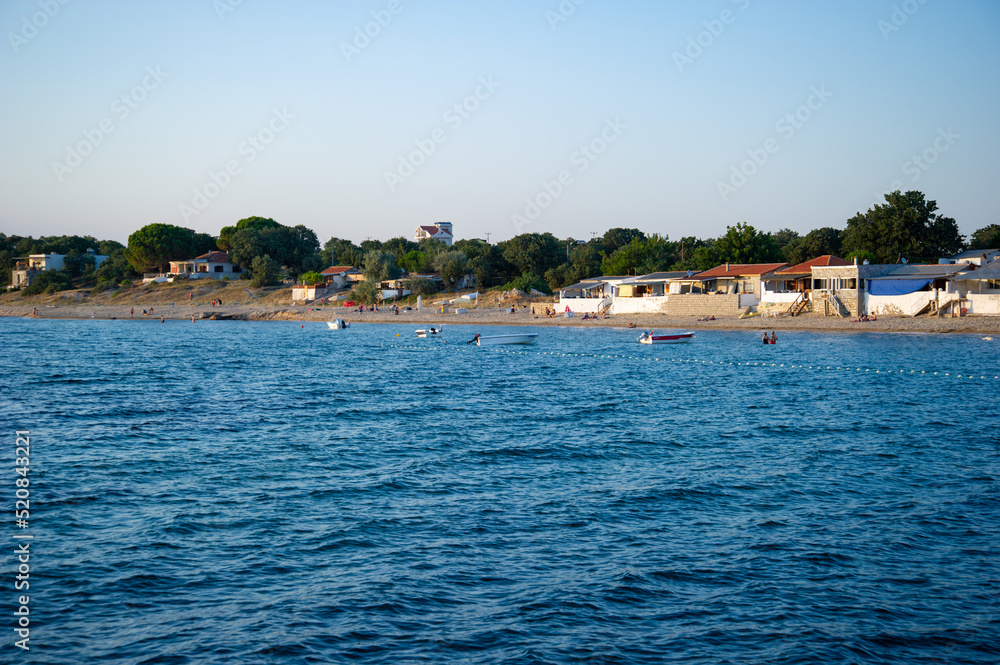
pixel 675 337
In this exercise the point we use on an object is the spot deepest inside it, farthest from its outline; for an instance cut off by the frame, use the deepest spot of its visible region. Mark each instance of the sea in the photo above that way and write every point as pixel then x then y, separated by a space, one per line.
pixel 279 492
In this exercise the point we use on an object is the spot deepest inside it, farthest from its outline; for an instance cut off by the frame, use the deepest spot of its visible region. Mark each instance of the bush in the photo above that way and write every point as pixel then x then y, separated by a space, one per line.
pixel 125 283
pixel 527 282
pixel 311 278
pixel 265 271
pixel 102 285
pixel 420 286
pixel 365 292
pixel 49 281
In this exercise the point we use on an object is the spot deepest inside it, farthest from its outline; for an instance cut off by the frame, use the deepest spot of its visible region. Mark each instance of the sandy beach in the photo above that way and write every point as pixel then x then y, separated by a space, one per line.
pixel 490 316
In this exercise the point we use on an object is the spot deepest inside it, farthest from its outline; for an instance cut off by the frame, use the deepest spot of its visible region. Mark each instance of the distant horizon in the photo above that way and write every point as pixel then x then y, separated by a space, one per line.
pixel 566 117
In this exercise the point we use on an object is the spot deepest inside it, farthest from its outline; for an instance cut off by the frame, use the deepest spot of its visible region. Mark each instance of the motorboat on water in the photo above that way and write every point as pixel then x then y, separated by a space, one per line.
pixel 339 324
pixel 489 340
pixel 428 331
pixel 675 337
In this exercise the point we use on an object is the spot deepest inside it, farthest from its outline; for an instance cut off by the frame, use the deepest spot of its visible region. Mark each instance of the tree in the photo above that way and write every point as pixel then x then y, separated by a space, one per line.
pixel 48 281
pixel 618 237
pixel 366 292
pixel 224 241
pixel 339 252
pixel 202 243
pixel 265 271
pixel 688 256
pixel 905 226
pixel 819 242
pixel 862 255
pixel 415 262
pixel 76 264
pixel 987 237
pixel 745 244
pixel 420 286
pixel 584 261
pixel 533 252
pixel 453 267
pixel 115 268
pixel 640 256
pixel 296 248
pixel 156 245
pixel 400 246
pixel 380 266
pixel 311 278
pixel 370 245
pixel 491 268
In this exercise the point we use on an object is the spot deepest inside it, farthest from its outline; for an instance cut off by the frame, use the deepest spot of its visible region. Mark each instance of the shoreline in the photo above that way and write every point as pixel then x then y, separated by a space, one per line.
pixel 502 317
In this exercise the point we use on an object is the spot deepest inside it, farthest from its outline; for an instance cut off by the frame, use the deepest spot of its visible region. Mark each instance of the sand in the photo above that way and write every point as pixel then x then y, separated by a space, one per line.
pixel 495 316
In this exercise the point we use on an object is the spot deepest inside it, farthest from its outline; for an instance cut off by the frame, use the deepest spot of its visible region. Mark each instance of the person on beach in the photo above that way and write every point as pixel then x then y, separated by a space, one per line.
pixel 131 312
pixel 191 296
pixel 192 318
pixel 764 339
pixel 34 311
pixel 774 338
pixel 161 318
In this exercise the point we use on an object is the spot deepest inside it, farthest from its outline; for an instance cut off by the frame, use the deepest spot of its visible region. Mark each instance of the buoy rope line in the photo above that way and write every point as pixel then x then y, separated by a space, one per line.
pixel 694 361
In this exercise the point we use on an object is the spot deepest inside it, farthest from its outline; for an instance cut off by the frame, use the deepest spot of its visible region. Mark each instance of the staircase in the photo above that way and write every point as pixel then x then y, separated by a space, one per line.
pixel 832 305
pixel 800 306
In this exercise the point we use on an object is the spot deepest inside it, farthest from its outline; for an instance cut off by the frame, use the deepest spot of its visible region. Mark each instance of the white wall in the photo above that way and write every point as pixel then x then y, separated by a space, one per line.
pixel 591 305
pixel 907 305
pixel 984 303
pixel 772 297
pixel 647 305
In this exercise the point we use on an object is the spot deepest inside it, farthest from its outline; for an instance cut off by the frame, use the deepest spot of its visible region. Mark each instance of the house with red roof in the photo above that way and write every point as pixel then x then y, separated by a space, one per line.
pixel 438 231
pixel 790 288
pixel 338 277
pixel 745 279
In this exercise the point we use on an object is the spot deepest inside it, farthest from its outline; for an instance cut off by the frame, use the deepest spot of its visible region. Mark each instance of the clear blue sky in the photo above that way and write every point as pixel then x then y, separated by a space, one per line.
pixel 873 83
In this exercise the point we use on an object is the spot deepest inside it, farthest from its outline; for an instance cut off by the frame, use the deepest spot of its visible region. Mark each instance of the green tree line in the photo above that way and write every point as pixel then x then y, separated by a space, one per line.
pixel 906 225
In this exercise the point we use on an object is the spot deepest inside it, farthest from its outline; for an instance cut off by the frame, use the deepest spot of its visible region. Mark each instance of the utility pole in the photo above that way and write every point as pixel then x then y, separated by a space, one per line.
pixel 488 234
pixel 593 234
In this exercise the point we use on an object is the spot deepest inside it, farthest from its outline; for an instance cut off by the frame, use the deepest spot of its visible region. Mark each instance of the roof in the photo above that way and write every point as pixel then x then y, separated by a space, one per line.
pixel 731 270
pixel 435 230
pixel 973 254
pixel 663 276
pixel 585 284
pixel 923 271
pixel 806 267
pixel 989 272
pixel 336 270
pixel 214 257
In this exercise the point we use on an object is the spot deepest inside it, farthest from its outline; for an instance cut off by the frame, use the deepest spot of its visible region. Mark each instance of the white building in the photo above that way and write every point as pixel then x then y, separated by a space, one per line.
pixel 212 265
pixel 28 266
pixel 439 231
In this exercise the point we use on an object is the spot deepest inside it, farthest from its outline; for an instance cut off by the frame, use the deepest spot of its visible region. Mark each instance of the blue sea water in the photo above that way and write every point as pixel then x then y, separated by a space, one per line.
pixel 232 492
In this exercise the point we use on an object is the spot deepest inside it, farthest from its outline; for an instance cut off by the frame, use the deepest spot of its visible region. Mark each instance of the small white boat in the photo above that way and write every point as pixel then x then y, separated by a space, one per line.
pixel 339 324
pixel 665 338
pixel 489 340
pixel 429 331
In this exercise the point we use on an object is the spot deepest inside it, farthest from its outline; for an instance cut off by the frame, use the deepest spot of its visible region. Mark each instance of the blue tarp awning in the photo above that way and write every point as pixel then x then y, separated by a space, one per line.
pixel 896 287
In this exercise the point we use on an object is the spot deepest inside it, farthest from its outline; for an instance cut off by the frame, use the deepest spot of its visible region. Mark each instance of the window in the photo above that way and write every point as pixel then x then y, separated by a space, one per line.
pixel 993 284
pixel 218 268
pixel 237 269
